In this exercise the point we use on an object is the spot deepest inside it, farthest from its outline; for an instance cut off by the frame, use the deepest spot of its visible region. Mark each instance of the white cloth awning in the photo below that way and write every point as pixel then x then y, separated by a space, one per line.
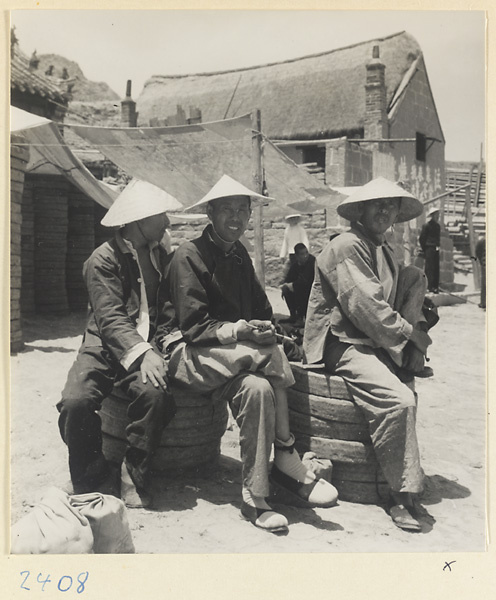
pixel 48 153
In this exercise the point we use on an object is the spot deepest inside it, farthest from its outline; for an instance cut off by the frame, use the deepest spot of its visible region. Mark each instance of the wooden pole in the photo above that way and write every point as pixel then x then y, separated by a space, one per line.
pixel 258 237
pixel 471 238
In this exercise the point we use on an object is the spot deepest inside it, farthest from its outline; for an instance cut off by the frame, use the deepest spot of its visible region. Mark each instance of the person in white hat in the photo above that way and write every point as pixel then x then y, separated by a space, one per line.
pixel 229 348
pixel 365 322
pixel 124 279
pixel 430 242
pixel 293 234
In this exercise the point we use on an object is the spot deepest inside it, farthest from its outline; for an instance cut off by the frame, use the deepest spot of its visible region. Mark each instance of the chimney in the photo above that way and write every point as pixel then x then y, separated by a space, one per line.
pixel 129 116
pixel 376 123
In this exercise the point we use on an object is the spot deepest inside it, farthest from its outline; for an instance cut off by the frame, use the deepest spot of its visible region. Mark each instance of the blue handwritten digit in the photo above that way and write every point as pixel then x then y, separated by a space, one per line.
pixel 60 581
pixel 47 580
pixel 25 579
pixel 80 587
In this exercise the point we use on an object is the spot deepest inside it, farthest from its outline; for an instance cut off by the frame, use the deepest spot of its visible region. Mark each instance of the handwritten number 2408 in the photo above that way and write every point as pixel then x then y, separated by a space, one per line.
pixel 64 584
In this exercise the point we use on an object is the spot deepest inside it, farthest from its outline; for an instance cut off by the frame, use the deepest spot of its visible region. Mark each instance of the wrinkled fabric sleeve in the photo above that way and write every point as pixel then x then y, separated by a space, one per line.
pixel 360 295
pixel 106 296
pixel 189 297
pixel 262 308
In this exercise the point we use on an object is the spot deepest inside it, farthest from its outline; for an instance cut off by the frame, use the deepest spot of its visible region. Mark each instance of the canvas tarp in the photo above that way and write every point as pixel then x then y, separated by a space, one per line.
pixel 49 154
pixel 186 161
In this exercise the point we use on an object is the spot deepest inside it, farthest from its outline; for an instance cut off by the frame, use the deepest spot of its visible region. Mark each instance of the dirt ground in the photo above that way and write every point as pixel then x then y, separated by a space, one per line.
pixel 199 512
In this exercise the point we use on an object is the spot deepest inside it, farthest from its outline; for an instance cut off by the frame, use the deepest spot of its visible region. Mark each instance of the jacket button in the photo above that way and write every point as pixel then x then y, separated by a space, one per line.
pixel 140 280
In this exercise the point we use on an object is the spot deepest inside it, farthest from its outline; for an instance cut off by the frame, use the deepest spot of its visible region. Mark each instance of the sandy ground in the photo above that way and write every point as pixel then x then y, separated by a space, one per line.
pixel 199 512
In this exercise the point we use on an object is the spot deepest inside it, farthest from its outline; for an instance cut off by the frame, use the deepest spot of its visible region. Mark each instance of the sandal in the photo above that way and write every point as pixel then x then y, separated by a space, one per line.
pixel 403 518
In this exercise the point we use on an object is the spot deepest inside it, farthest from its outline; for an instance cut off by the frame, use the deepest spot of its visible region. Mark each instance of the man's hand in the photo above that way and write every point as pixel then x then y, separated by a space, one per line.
pixel 154 368
pixel 413 359
pixel 261 333
pixel 420 340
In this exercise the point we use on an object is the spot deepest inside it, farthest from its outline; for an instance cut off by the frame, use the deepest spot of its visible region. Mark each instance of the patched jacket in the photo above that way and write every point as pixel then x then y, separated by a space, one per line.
pixel 112 278
pixel 347 299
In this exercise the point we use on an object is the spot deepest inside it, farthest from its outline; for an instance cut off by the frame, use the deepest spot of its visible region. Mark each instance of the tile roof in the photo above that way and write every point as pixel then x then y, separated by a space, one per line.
pixel 34 82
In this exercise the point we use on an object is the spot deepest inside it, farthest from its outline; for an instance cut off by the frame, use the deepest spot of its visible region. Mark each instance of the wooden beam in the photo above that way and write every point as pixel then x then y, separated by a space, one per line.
pixel 471 238
pixel 256 157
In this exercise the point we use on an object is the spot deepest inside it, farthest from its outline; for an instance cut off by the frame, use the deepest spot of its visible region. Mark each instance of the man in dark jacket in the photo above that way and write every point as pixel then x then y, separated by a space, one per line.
pixel 124 282
pixel 430 242
pixel 229 348
pixel 298 283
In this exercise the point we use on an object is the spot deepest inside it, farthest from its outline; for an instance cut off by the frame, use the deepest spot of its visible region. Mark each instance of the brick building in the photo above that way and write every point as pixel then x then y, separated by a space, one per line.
pixel 54 224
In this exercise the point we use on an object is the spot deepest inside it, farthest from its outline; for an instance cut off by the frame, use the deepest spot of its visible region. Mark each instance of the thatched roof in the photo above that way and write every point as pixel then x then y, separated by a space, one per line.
pixel 316 96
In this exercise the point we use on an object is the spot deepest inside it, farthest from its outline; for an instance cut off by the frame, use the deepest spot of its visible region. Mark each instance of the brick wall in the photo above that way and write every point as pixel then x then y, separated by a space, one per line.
pixel 446 263
pixel 27 248
pixel 50 199
pixel 19 156
pixel 348 163
pixel 80 244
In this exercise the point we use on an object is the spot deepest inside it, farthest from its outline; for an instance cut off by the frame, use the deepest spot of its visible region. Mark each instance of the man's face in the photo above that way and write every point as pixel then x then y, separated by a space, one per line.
pixel 378 215
pixel 302 256
pixel 229 217
pixel 153 228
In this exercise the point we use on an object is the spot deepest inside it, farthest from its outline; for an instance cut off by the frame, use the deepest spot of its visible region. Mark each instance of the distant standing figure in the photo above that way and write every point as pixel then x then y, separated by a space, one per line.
pixel 430 242
pixel 293 234
pixel 480 255
pixel 298 283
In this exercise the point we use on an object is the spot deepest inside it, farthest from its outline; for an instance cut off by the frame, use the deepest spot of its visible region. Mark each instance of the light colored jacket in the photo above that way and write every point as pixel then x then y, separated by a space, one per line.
pixel 347 299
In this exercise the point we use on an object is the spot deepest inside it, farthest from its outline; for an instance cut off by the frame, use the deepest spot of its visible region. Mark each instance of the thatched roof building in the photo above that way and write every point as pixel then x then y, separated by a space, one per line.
pixel 314 97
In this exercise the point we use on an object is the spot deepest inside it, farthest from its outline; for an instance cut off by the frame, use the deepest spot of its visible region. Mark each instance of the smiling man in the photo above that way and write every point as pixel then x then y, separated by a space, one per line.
pixel 229 349
pixel 365 322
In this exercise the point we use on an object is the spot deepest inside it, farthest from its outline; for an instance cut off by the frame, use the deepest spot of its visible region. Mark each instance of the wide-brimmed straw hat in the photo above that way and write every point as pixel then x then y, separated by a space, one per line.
pixel 294 216
pixel 227 187
pixel 139 200
pixel 381 187
pixel 432 211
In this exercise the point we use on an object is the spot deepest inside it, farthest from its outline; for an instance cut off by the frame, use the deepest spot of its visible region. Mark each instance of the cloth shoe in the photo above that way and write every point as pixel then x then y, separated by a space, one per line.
pixel 133 496
pixel 266 519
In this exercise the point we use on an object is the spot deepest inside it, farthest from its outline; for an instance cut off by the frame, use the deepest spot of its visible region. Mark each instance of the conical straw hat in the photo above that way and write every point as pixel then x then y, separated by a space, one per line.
pixel 432 211
pixel 381 187
pixel 226 187
pixel 139 200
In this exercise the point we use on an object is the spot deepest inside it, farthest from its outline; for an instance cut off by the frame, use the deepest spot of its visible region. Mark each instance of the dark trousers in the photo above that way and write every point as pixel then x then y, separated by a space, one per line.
pixel 432 267
pixel 483 285
pixel 297 302
pixel 90 381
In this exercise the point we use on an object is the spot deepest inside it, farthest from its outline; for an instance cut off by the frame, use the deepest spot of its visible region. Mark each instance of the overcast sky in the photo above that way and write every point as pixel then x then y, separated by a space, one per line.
pixel 114 46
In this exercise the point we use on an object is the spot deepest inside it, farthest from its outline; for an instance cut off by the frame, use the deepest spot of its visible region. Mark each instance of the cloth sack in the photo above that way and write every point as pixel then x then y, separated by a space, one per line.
pixel 108 520
pixel 53 526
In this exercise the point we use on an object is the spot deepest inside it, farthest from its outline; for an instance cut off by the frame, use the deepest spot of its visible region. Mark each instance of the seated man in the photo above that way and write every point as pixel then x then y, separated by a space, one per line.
pixel 125 287
pixel 365 322
pixel 298 283
pixel 229 348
